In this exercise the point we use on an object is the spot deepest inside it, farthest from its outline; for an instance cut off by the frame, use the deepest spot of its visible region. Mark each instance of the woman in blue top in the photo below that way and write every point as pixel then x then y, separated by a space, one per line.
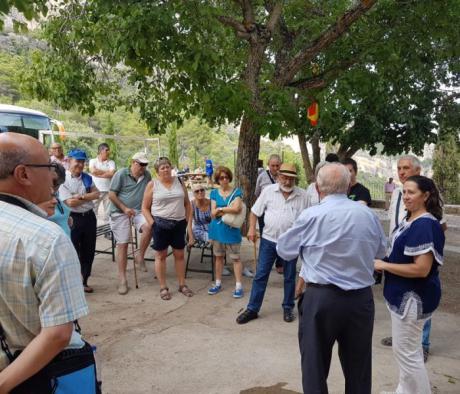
pixel 57 211
pixel 225 199
pixel 412 288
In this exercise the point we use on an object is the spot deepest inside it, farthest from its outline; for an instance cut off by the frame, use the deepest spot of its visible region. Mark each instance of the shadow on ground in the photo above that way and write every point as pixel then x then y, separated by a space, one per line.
pixel 276 389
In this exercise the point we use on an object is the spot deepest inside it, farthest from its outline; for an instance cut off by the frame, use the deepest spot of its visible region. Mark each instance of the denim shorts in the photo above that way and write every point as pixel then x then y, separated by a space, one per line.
pixel 174 237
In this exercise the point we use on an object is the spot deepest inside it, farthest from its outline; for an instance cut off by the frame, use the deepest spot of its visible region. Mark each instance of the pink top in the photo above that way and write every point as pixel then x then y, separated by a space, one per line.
pixel 389 187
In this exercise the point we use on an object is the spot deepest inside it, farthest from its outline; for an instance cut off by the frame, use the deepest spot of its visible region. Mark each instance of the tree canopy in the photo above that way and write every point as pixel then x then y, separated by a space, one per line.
pixel 256 63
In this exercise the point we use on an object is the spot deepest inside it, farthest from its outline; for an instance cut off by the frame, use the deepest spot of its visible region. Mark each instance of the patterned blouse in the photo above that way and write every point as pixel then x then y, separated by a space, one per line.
pixel 201 220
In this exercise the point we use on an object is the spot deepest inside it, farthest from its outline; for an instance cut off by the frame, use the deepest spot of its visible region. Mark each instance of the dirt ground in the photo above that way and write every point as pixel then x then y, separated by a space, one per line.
pixel 146 345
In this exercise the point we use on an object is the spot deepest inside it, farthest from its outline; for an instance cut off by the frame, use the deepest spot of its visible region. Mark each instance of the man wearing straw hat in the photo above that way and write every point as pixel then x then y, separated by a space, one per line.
pixel 281 203
pixel 126 193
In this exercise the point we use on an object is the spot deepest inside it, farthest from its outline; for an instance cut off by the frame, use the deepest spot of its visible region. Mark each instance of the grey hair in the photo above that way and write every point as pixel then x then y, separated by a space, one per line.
pixel 10 159
pixel 318 167
pixel 274 157
pixel 160 161
pixel 415 162
pixel 333 178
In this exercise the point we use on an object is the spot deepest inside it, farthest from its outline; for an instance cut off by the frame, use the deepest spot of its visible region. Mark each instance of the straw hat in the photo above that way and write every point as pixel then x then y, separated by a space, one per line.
pixel 288 169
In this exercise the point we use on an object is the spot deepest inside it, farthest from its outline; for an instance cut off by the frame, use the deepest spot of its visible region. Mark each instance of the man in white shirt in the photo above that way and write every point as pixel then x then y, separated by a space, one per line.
pixel 102 169
pixel 281 204
pixel 264 179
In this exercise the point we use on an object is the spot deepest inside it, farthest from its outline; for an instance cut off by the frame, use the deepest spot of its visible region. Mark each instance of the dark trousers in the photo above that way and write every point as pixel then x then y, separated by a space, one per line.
pixel 260 219
pixel 83 235
pixel 329 314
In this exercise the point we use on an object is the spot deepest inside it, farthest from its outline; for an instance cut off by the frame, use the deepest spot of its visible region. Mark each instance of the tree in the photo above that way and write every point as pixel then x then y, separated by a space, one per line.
pixel 241 61
pixel 29 9
pixel 172 144
pixel 446 158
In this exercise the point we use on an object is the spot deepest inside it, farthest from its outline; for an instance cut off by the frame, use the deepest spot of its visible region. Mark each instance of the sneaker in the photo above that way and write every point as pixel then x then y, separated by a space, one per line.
pixel 123 288
pixel 214 290
pixel 426 353
pixel 246 316
pixel 226 272
pixel 248 273
pixel 238 293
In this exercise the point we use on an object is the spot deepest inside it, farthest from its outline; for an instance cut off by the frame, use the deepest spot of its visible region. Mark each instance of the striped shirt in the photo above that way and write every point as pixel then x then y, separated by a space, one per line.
pixel 40 281
pixel 280 213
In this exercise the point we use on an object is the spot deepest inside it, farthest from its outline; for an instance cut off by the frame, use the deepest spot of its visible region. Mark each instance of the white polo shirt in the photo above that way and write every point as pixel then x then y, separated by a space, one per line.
pixel 280 213
pixel 103 184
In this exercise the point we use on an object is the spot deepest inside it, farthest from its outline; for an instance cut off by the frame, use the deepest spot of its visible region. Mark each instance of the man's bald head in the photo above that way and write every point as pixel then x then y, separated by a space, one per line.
pixel 333 178
pixel 18 175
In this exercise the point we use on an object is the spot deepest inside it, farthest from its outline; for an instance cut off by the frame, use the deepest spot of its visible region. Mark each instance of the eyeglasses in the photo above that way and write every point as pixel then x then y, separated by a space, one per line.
pixel 200 191
pixel 222 177
pixel 142 164
pixel 50 166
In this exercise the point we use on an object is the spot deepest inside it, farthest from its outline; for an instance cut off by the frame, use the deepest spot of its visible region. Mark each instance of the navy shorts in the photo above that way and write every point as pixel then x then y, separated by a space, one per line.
pixel 175 237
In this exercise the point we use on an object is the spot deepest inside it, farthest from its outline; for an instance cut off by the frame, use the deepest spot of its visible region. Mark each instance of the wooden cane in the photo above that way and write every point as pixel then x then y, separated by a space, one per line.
pixel 133 251
pixel 255 255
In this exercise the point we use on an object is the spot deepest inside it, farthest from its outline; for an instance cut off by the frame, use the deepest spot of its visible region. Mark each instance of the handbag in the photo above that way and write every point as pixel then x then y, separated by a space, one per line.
pixel 71 369
pixel 235 220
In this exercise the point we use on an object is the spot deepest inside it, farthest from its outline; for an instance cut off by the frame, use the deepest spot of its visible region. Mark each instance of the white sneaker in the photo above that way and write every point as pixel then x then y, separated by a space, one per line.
pixel 248 273
pixel 226 272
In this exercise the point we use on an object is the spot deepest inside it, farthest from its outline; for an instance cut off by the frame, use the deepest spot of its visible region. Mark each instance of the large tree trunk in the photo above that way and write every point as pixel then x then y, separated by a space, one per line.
pixel 246 161
pixel 316 150
pixel 309 173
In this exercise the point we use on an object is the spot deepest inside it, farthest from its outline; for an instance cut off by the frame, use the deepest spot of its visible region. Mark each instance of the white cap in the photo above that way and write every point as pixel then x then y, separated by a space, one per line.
pixel 141 157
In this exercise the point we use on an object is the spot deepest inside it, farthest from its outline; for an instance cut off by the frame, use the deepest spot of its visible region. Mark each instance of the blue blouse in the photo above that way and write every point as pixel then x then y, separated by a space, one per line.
pixel 410 239
pixel 61 216
pixel 218 230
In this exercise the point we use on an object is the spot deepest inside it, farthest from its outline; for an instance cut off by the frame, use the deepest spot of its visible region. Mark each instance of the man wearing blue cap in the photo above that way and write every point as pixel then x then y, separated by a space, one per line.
pixel 79 192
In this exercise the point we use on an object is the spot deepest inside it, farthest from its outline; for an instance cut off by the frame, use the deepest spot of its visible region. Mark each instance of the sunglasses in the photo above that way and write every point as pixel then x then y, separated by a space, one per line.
pixel 200 191
pixel 223 177
pixel 142 164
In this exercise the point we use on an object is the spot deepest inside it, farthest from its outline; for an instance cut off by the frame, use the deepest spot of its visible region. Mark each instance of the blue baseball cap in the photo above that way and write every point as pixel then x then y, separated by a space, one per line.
pixel 77 154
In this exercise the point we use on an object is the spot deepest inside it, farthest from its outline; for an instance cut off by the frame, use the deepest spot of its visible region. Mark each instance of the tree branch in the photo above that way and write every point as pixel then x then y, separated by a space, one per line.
pixel 274 16
pixel 320 81
pixel 237 26
pixel 326 38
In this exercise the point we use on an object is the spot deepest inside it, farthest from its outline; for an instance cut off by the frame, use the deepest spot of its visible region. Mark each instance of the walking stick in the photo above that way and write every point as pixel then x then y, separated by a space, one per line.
pixel 255 255
pixel 133 252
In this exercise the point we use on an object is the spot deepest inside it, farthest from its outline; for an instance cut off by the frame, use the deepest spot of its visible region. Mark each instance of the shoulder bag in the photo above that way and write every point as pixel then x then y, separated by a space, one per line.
pixel 235 220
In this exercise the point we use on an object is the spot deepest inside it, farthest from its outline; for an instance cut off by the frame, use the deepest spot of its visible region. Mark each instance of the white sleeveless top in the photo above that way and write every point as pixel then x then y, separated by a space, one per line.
pixel 168 203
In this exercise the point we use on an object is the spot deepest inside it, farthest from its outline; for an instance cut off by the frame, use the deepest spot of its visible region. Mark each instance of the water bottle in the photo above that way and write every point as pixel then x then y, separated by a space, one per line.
pixel 98 369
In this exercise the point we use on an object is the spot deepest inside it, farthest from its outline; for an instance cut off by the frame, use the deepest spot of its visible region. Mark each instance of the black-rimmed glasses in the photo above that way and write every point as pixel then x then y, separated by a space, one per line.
pixel 50 166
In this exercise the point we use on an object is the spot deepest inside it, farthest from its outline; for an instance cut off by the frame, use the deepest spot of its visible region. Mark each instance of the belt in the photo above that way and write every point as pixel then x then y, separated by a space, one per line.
pixel 331 286
pixel 327 286
pixel 87 213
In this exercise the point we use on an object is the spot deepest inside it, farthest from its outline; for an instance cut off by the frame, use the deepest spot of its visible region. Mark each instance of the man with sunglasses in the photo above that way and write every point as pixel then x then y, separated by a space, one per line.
pixel 79 192
pixel 40 287
pixel 126 193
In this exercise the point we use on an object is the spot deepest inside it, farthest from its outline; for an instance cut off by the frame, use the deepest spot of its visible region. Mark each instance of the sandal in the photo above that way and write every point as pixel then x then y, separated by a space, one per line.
pixel 184 289
pixel 165 295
